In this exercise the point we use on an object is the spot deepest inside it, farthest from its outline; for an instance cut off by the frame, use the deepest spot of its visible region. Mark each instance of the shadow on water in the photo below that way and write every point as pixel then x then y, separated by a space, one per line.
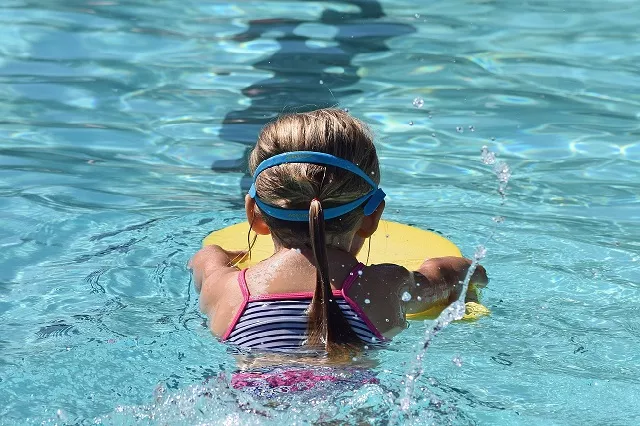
pixel 304 76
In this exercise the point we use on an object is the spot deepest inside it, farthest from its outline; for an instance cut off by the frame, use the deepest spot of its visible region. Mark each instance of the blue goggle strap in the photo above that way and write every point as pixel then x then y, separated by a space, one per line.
pixel 374 197
pixel 313 158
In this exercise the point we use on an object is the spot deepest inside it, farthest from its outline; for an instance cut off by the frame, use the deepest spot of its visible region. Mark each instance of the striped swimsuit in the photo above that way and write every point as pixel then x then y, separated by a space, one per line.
pixel 278 322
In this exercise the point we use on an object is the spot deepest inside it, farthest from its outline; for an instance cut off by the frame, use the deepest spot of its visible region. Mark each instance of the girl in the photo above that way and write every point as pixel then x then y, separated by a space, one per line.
pixel 315 191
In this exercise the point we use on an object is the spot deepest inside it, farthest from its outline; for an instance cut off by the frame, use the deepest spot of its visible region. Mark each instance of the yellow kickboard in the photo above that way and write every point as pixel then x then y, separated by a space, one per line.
pixel 392 243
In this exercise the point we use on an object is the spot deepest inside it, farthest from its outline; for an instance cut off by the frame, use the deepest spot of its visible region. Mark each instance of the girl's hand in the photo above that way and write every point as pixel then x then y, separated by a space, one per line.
pixel 438 282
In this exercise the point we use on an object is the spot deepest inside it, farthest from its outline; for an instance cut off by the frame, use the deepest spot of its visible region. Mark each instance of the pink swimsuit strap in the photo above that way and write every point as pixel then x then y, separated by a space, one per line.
pixel 354 274
pixel 346 285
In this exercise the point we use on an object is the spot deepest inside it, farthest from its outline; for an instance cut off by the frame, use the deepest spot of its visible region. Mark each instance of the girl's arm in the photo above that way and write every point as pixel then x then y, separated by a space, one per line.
pixel 210 265
pixel 438 282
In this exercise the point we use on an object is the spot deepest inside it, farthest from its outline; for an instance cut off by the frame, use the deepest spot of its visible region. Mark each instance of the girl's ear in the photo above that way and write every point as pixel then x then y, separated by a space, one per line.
pixel 370 223
pixel 254 217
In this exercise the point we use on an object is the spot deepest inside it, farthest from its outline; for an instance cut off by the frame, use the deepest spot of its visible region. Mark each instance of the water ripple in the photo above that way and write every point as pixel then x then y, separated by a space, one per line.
pixel 113 112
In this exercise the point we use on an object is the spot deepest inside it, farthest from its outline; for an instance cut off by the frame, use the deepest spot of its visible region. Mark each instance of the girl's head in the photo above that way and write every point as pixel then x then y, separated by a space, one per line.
pixel 306 187
pixel 294 185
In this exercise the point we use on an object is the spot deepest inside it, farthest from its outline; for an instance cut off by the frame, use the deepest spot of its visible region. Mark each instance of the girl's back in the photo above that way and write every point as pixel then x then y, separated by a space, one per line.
pixel 265 306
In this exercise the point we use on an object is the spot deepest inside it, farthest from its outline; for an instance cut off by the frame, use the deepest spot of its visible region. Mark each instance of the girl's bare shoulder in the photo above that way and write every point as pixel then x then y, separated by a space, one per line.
pixel 387 276
pixel 388 271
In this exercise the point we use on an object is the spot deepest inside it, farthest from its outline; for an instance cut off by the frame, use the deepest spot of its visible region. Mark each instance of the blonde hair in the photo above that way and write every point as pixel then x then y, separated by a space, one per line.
pixel 315 187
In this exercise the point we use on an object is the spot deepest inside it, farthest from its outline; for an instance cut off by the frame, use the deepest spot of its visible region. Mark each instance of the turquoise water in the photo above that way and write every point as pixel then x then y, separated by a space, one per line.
pixel 114 113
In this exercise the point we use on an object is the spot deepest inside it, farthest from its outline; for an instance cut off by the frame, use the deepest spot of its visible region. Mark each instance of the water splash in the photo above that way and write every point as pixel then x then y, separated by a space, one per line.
pixel 196 404
pixel 456 310
pixel 500 168
pixel 216 402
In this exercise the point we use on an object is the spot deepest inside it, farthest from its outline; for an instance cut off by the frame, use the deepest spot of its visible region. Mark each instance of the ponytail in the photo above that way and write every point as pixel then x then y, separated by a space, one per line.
pixel 327 327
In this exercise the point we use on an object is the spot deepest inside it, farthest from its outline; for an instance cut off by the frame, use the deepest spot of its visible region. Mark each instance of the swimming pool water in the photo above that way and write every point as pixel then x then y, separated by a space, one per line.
pixel 122 132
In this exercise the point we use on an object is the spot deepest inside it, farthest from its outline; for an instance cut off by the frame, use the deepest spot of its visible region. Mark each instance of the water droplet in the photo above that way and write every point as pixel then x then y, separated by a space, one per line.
pixel 367 301
pixel 493 139
pixel 487 156
pixel 498 219
pixel 430 116
pixel 411 123
pixel 433 134
pixel 354 359
pixel 360 272
pixel 480 253
pixel 159 392
pixel 417 15
pixel 457 361
pixel 503 172
pixel 473 129
pixel 459 129
pixel 406 296
pixel 418 102
pixel 321 82
pixel 419 298
pixel 346 110
pixel 386 319
pixel 61 415
pixel 366 347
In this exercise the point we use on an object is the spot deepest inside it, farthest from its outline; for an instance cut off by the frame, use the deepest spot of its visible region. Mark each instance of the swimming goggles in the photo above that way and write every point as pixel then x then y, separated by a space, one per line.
pixel 372 198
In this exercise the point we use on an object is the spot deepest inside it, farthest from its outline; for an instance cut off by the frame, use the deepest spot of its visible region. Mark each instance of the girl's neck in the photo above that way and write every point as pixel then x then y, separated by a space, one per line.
pixel 336 242
pixel 300 258
pixel 336 249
